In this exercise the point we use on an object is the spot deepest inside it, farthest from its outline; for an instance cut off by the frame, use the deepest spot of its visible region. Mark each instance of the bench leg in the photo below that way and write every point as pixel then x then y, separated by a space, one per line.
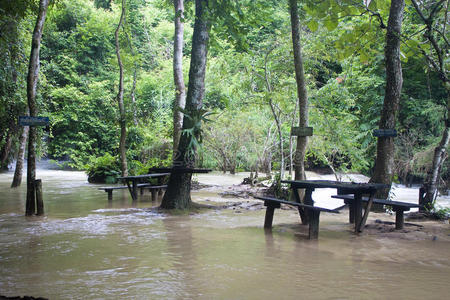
pixel 154 193
pixel 141 191
pixel 269 217
pixel 399 219
pixel 313 216
pixel 269 213
pixel 109 195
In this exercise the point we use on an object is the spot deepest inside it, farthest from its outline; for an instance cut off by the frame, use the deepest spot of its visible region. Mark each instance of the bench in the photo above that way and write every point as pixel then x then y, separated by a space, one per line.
pixel 313 213
pixel 142 186
pixel 398 207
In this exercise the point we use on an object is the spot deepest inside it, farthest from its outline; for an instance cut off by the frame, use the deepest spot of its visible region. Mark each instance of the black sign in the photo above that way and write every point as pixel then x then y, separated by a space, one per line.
pixel 33 121
pixel 302 131
pixel 385 133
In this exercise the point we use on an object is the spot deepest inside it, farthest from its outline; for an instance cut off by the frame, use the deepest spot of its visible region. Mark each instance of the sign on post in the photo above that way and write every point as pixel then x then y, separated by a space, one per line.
pixel 302 131
pixel 385 133
pixel 33 121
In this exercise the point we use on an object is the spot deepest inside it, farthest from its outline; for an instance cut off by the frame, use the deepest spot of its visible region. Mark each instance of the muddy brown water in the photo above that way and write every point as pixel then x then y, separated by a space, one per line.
pixel 87 248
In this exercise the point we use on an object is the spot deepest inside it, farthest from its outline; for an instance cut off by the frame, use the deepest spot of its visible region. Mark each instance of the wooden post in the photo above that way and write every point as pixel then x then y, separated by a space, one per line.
pixel 357 210
pixel 313 216
pixel 366 213
pixel 39 198
pixel 109 195
pixel 399 219
pixel 134 190
pixel 269 213
pixel 351 206
pixel 154 194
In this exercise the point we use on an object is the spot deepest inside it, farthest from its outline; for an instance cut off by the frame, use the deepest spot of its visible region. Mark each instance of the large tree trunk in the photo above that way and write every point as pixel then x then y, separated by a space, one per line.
pixel 178 194
pixel 302 141
pixel 180 89
pixel 32 78
pixel 384 164
pixel 123 119
pixel 17 180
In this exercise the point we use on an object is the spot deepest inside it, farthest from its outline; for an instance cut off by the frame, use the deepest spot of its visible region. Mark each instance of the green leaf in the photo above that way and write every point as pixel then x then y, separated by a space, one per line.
pixel 331 23
pixel 313 25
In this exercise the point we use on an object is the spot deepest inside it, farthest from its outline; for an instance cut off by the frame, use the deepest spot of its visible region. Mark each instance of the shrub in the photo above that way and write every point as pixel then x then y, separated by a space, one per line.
pixel 104 169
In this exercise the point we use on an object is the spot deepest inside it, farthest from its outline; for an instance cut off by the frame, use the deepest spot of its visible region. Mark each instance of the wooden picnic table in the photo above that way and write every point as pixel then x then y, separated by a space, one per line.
pixel 350 188
pixel 178 170
pixel 133 181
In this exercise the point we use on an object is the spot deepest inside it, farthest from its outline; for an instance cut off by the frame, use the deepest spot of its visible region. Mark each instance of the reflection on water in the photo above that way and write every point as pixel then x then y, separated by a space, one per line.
pixel 86 247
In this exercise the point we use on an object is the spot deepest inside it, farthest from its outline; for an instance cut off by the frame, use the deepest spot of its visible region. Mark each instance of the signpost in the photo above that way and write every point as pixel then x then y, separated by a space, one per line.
pixel 385 133
pixel 302 131
pixel 37 184
pixel 33 121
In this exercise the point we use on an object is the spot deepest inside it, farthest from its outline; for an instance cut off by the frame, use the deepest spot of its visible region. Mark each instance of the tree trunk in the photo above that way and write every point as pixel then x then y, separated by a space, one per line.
pixel 32 78
pixel 384 164
pixel 439 65
pixel 17 180
pixel 431 183
pixel 180 89
pixel 291 143
pixel 123 120
pixel 302 94
pixel 6 149
pixel 133 96
pixel 133 88
pixel 275 115
pixel 178 194
pixel 280 137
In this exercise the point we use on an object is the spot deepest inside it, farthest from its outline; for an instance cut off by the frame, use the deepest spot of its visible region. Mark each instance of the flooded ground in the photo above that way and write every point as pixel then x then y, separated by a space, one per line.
pixel 87 248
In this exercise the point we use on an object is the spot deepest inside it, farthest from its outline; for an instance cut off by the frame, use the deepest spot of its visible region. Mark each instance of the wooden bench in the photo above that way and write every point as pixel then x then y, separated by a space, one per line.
pixel 153 188
pixel 398 207
pixel 313 213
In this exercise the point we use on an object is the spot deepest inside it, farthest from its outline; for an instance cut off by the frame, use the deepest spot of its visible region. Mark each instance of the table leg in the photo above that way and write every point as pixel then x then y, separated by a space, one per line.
pixel 357 206
pixel 366 213
pixel 399 219
pixel 130 189
pixel 313 224
pixel 134 196
pixel 308 200
pixel 269 214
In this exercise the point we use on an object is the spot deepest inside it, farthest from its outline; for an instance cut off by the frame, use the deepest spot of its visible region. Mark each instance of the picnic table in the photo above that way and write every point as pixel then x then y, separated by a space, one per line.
pixel 349 188
pixel 133 181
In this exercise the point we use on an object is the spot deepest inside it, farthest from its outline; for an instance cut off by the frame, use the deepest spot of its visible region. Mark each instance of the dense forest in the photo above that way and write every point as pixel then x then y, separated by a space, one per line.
pixel 250 101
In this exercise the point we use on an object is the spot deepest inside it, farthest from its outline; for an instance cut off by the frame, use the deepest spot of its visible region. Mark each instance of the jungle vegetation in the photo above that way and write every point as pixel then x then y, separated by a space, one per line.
pixel 250 94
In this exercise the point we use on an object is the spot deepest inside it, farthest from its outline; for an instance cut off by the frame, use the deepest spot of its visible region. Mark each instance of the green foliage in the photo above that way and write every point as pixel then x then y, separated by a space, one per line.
pixel 193 129
pixel 103 169
pixel 442 213
pixel 337 140
pixel 249 63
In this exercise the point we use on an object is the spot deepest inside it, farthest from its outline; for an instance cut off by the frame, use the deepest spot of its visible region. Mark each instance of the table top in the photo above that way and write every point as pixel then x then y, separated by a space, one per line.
pixel 353 186
pixel 144 176
pixel 180 170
